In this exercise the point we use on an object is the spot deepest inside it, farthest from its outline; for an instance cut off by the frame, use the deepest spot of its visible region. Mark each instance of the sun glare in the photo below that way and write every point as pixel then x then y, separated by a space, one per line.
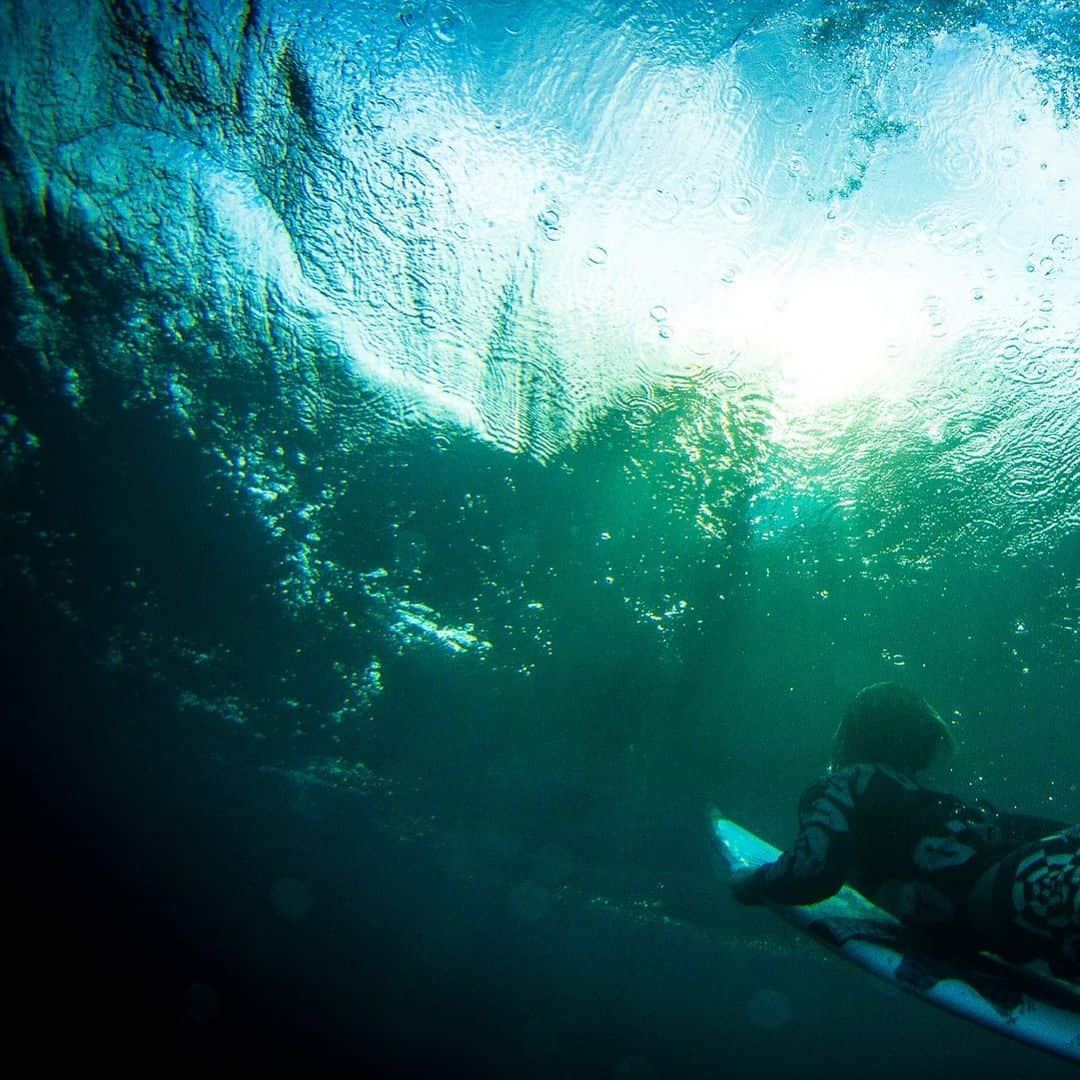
pixel 827 334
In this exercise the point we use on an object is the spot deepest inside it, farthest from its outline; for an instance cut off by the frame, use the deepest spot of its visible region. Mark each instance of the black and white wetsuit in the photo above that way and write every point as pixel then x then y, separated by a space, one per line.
pixel 981 878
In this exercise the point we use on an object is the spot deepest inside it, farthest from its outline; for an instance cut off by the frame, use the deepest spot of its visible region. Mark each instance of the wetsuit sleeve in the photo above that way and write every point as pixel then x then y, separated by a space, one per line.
pixel 816 864
pixel 1026 829
pixel 1006 831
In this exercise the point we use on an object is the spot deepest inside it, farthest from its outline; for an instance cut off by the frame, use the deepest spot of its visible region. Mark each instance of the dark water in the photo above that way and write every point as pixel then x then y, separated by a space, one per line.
pixel 444 446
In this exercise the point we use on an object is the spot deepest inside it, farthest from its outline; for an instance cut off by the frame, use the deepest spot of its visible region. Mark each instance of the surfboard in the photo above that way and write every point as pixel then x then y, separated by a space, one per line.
pixel 1015 1001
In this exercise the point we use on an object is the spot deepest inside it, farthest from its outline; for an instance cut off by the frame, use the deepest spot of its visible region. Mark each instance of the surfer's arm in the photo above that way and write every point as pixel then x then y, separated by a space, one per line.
pixel 1015 829
pixel 817 863
pixel 1027 828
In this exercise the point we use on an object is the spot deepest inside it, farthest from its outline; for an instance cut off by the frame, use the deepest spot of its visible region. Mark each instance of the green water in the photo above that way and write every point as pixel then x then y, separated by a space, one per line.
pixel 443 447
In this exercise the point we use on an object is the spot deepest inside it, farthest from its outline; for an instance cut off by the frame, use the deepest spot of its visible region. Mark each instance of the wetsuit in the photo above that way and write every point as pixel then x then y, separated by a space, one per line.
pixel 975 876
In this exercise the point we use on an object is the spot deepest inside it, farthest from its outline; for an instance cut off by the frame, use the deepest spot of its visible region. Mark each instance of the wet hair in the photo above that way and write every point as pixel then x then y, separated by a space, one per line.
pixel 891 725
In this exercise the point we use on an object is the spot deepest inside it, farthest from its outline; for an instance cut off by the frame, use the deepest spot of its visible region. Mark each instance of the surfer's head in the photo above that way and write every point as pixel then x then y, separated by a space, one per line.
pixel 892 725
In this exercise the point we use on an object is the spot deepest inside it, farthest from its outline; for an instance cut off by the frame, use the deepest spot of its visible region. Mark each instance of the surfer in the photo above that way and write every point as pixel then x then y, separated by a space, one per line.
pixel 971 876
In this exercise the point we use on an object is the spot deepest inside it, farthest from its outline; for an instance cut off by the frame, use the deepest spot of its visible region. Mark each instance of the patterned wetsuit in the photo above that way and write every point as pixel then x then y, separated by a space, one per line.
pixel 920 854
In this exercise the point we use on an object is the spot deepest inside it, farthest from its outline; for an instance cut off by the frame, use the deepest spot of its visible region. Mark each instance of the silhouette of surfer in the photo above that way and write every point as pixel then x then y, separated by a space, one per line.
pixel 969 875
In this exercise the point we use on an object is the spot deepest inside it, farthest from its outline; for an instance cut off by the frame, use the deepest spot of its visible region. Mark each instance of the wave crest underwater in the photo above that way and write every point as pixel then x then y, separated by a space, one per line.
pixel 517 222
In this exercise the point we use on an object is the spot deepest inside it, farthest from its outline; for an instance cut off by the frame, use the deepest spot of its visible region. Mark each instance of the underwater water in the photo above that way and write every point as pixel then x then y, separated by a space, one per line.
pixel 446 445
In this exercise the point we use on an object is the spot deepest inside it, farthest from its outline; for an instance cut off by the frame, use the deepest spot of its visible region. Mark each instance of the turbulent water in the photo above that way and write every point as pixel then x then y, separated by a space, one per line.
pixel 443 445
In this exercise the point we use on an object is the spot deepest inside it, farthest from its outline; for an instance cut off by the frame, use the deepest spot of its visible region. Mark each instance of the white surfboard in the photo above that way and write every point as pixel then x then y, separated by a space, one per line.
pixel 1035 1009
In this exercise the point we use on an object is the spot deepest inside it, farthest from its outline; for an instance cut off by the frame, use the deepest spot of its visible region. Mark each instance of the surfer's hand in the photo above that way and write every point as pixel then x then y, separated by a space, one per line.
pixel 742 886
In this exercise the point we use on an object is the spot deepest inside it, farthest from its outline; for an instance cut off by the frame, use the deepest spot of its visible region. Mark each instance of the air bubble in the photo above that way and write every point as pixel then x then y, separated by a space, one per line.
pixel 741 207
pixel 846 236
pixel 702 343
pixel 783 110
pixel 734 97
pixel 978 445
pixel 447 25
pixel 662 206
pixel 640 412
